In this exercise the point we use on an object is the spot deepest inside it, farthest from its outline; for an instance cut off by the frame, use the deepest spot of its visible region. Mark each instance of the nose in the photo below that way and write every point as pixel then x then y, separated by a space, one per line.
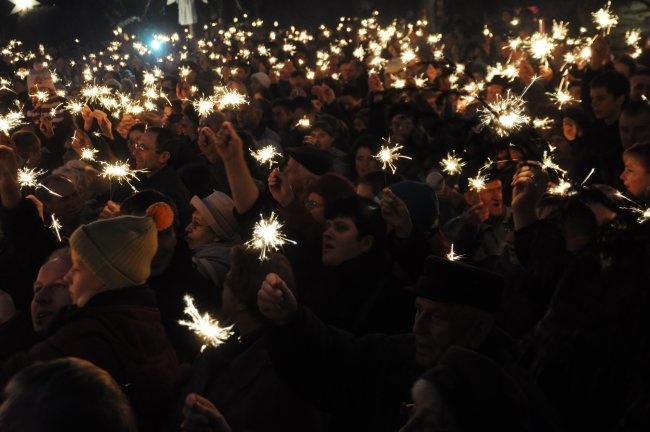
pixel 42 296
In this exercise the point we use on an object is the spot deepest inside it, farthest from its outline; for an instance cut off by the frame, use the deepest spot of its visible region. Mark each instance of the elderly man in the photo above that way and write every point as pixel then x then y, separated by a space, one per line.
pixel 363 380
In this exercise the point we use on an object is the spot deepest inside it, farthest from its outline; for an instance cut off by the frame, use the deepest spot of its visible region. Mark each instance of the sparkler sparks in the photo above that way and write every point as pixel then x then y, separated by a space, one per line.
pixel 562 188
pixel 541 47
pixel 632 37
pixel 266 155
pixel 562 96
pixel 506 115
pixel 228 98
pixel 56 227
pixel 88 154
pixel 28 177
pixel 548 164
pixel 605 19
pixel 304 123
pixel 12 120
pixel 388 155
pixel 267 236
pixel 204 326
pixel 120 172
pixel 452 164
pixel 204 106
pixel 452 256
pixel 23 5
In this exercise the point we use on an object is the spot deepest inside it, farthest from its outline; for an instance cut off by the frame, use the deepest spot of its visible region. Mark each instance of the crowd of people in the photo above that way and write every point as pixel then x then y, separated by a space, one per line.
pixel 451 263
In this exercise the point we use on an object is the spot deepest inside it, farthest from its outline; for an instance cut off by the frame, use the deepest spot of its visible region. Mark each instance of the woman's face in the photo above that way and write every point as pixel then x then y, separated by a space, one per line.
pixel 198 232
pixel 365 162
pixel 316 206
pixel 635 177
pixel 83 284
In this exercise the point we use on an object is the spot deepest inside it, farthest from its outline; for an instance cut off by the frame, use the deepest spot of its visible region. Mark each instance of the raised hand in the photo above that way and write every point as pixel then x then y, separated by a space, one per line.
pixel 200 415
pixel 276 301
pixel 396 214
pixel 280 188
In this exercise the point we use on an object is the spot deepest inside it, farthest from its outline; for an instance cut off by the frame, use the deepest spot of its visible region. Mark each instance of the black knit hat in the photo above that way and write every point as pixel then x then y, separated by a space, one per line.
pixel 453 282
pixel 314 160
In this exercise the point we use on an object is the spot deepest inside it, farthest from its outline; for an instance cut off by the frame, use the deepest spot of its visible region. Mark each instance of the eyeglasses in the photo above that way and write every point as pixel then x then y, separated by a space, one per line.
pixel 311 204
pixel 195 225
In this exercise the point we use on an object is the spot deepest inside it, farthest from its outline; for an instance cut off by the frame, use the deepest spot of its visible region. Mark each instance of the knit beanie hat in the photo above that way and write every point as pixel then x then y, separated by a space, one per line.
pixel 41 77
pixel 262 78
pixel 119 251
pixel 217 210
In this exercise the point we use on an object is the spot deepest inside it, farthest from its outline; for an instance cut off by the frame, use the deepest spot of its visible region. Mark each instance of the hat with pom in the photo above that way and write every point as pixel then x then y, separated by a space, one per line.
pixel 119 251
pixel 262 78
pixel 41 77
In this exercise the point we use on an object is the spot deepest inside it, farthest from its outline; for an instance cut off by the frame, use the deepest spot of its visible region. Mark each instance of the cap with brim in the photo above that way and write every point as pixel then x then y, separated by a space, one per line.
pixel 217 210
pixel 448 281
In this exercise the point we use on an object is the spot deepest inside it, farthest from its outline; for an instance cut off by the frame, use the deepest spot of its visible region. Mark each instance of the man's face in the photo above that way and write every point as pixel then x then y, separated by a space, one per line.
pixel 50 295
pixel 606 107
pixel 145 154
pixel 634 129
pixel 438 326
pixel 249 117
pixel 639 87
pixel 321 139
pixel 402 125
pixel 341 241
pixel 492 198
pixel 345 70
pixel 281 117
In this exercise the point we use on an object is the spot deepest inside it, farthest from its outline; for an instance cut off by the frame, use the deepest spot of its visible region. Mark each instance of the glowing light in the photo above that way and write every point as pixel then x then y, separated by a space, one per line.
pixel 204 326
pixel 204 106
pixel 120 172
pixel 56 227
pixel 632 37
pixel 88 154
pixel 11 120
pixel 562 188
pixel 267 236
pixel 28 177
pixel 266 155
pixel 304 123
pixel 23 5
pixel 506 115
pixel 561 96
pixel 452 164
pixel 605 19
pixel 541 47
pixel 228 98
pixel 560 30
pixel 388 155
pixel 548 164
pixel 452 256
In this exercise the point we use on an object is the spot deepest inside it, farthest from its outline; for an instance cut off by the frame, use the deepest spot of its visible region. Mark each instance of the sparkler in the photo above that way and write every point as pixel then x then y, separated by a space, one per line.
pixel 562 188
pixel 506 115
pixel 228 98
pixel 477 184
pixel 267 235
pixel 204 106
pixel 28 177
pixel 204 326
pixel 541 47
pixel 632 37
pixel 562 96
pixel 88 154
pixel 11 120
pixel 452 164
pixel 22 5
pixel 304 123
pixel 266 155
pixel 605 19
pixel 387 155
pixel 452 256
pixel 120 172
pixel 56 227
pixel 548 164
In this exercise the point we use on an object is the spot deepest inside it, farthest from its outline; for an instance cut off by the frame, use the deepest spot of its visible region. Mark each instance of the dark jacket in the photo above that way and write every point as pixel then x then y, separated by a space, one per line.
pixel 119 331
pixel 166 180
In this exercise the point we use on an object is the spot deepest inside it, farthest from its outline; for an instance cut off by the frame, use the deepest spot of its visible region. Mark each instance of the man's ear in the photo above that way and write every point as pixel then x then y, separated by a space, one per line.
pixel 366 243
pixel 164 157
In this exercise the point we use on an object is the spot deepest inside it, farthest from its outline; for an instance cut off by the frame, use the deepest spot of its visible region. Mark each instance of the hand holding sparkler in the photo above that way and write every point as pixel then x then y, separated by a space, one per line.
pixel 396 214
pixel 9 188
pixel 280 188
pixel 46 127
pixel 528 185
pixel 600 53
pixel 276 301
pixel 87 116
pixel 104 123
pixel 228 143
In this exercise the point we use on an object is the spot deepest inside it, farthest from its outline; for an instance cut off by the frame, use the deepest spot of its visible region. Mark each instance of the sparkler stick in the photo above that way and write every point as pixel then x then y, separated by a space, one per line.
pixel 267 236
pixel 204 326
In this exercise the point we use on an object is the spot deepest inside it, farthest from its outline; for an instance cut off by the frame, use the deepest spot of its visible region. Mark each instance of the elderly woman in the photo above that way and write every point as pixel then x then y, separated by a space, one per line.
pixel 211 233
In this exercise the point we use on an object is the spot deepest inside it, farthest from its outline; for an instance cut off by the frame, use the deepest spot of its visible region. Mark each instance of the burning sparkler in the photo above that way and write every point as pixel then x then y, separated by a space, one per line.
pixel 388 155
pixel 204 106
pixel 28 177
pixel 204 326
pixel 56 227
pixel 304 123
pixel 452 256
pixel 88 154
pixel 507 114
pixel 605 19
pixel 22 5
pixel 12 120
pixel 267 235
pixel 562 96
pixel 266 155
pixel 452 164
pixel 548 164
pixel 562 188
pixel 228 98
pixel 120 172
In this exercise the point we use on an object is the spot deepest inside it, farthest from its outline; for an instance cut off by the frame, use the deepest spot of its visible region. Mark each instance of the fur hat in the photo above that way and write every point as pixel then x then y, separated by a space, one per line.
pixel 217 210
pixel 453 282
pixel 119 251
pixel 41 77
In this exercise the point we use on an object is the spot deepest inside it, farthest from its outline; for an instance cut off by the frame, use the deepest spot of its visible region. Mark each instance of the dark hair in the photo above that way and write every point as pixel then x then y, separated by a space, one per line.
pixel 627 61
pixel 141 127
pixel 640 152
pixel 66 395
pixel 137 203
pixel 247 273
pixel 366 215
pixel 614 82
pixel 636 108
pixel 378 180
pixel 332 187
pixel 166 141
pixel 25 140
